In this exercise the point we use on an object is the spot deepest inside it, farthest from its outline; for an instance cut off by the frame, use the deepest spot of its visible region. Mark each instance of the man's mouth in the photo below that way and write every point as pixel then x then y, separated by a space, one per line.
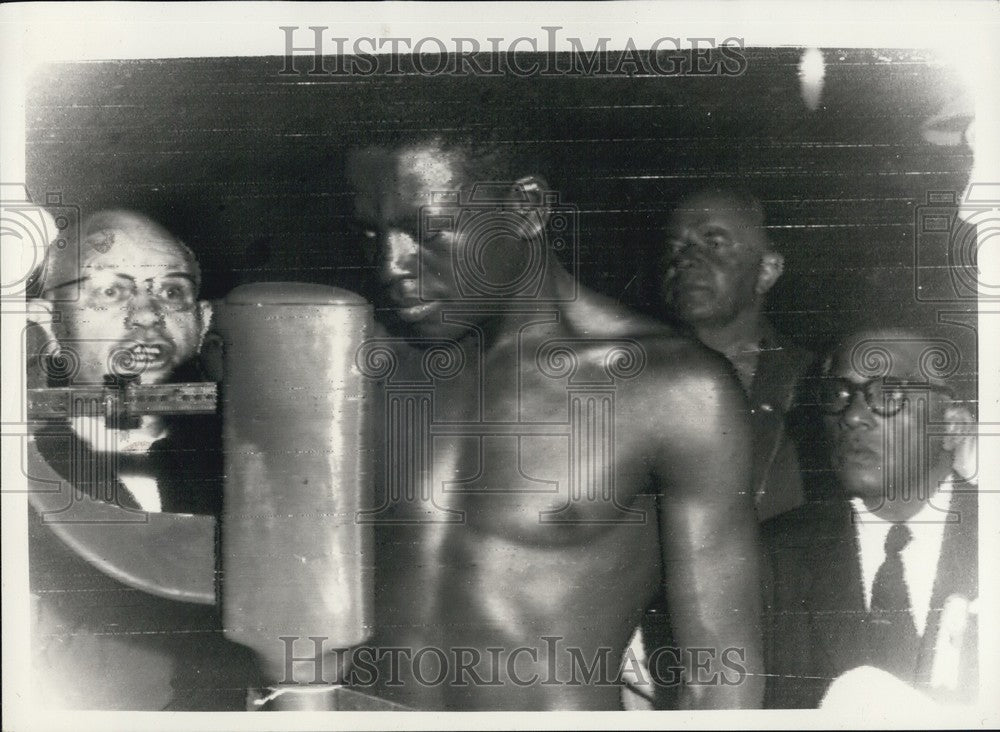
pixel 858 453
pixel 152 355
pixel 412 313
pixel 405 301
pixel 691 286
pixel 692 276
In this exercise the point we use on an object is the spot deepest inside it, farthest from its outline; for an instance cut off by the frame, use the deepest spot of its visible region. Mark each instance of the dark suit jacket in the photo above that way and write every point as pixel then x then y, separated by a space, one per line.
pixel 775 474
pixel 187 465
pixel 816 624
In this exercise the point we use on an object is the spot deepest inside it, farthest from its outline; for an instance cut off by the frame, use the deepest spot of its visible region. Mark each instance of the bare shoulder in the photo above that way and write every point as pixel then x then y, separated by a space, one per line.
pixel 685 388
pixel 681 404
pixel 667 365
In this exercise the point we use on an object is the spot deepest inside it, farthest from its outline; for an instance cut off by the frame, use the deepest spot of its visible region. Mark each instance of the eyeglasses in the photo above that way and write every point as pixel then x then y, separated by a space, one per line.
pixel 884 396
pixel 173 292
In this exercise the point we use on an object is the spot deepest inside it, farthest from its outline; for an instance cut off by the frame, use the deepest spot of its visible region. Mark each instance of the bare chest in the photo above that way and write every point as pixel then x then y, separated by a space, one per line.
pixel 532 445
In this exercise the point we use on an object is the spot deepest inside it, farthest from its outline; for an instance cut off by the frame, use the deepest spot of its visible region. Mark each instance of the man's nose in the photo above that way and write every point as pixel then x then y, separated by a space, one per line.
pixel 143 311
pixel 397 256
pixel 689 249
pixel 858 413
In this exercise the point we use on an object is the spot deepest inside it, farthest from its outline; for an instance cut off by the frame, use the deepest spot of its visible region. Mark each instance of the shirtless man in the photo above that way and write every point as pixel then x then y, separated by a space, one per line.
pixel 579 459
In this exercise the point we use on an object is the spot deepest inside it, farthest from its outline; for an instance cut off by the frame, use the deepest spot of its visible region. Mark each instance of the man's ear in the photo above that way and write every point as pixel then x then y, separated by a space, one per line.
pixel 772 265
pixel 958 424
pixel 532 191
pixel 205 309
pixel 960 441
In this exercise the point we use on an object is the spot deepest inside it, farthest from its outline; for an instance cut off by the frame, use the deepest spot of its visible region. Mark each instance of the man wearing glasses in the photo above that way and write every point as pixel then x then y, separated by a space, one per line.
pixel 124 309
pixel 129 301
pixel 883 577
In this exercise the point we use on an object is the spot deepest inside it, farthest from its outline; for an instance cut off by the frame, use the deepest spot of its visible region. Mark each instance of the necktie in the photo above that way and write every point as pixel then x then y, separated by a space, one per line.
pixel 895 642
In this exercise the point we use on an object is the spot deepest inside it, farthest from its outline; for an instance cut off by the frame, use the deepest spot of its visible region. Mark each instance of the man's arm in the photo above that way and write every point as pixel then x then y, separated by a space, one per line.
pixel 709 535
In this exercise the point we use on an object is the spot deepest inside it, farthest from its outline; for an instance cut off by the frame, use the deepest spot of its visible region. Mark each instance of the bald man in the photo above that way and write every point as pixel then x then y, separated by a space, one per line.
pixel 124 308
pixel 718 266
pixel 128 299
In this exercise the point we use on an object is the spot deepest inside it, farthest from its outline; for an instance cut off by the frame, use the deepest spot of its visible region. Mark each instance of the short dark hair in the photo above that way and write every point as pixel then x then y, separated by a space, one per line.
pixel 486 122
pixel 483 157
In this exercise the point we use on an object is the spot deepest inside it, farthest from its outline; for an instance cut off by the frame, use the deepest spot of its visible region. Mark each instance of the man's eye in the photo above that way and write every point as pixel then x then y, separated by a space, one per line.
pixel 111 293
pixel 715 237
pixel 175 293
pixel 834 389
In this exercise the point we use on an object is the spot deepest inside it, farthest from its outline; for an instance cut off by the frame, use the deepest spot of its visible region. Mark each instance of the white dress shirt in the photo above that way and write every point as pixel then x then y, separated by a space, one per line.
pixel 920 556
pixel 94 432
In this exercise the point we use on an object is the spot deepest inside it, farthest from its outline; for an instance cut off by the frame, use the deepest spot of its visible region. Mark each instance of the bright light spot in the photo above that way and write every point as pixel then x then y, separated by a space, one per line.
pixel 812 72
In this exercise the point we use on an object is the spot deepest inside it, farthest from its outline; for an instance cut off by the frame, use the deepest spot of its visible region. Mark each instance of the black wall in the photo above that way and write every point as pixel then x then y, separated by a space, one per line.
pixel 245 163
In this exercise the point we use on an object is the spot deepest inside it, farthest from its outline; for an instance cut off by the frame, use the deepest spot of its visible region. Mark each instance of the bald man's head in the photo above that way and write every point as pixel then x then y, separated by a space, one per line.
pixel 108 236
pixel 718 262
pixel 737 202
pixel 126 300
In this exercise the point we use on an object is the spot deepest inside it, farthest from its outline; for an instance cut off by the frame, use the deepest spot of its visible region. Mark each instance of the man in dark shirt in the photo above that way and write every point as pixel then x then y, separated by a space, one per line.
pixel 718 266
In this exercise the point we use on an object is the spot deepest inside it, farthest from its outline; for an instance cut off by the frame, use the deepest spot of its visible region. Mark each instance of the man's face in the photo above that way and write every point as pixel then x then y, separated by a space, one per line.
pixel 133 310
pixel 877 454
pixel 711 261
pixel 418 277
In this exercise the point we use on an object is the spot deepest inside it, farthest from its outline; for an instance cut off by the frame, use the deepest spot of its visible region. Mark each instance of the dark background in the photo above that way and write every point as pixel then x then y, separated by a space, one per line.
pixel 245 164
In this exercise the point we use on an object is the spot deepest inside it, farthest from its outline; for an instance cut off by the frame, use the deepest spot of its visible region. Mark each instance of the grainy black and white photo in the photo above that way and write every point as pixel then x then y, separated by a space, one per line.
pixel 452 370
